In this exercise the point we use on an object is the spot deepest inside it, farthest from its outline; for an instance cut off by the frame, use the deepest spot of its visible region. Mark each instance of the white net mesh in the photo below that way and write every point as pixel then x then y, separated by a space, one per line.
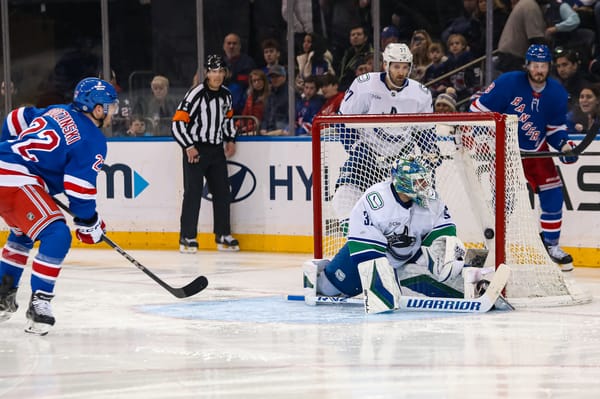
pixel 355 153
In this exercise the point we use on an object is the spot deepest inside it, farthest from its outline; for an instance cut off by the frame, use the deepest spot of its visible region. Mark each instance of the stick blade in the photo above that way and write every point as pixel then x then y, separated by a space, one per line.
pixel 191 289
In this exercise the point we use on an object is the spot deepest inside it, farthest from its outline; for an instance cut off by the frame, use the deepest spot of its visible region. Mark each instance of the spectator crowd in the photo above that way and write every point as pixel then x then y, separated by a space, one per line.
pixel 334 44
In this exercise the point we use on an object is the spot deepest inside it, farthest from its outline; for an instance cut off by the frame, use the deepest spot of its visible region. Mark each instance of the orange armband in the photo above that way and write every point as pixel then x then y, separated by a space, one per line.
pixel 181 116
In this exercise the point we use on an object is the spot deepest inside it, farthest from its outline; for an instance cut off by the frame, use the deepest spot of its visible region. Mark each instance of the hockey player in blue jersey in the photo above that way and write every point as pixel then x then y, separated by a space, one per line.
pixel 19 119
pixel 61 151
pixel 540 103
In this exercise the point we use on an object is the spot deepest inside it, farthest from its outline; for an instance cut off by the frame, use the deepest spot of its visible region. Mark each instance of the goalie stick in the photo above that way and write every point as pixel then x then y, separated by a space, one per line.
pixel 192 288
pixel 434 304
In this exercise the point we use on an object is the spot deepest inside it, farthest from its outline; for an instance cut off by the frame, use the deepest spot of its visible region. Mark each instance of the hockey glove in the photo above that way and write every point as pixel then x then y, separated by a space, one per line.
pixel 90 231
pixel 444 258
pixel 569 156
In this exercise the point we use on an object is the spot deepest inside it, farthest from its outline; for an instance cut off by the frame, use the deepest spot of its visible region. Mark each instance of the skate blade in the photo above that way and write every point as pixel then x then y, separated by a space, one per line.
pixel 37 328
pixel 228 248
pixel 187 250
pixel 567 267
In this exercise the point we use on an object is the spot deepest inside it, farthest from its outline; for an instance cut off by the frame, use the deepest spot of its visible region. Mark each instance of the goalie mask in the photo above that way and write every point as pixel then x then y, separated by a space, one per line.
pixel 411 178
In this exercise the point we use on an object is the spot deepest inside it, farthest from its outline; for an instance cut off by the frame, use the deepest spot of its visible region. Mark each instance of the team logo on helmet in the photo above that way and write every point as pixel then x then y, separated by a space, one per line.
pixel 538 53
pixel 93 91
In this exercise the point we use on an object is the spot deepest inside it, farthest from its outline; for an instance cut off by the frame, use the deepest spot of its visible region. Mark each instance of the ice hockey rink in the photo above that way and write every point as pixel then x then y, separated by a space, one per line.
pixel 120 335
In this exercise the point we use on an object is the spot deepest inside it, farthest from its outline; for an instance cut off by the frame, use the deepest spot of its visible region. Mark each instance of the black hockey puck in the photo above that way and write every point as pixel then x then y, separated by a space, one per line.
pixel 488 233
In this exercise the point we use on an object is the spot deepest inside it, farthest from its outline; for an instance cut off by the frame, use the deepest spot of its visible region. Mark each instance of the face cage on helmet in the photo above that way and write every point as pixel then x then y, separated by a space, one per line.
pixel 110 108
pixel 419 193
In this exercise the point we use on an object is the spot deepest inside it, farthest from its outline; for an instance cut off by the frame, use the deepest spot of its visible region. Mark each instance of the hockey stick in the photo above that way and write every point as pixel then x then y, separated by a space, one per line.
pixel 577 151
pixel 334 300
pixel 433 304
pixel 192 288
pixel 548 154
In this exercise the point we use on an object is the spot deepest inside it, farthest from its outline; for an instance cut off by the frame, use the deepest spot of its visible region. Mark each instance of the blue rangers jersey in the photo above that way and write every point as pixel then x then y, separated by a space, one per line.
pixel 61 151
pixel 19 120
pixel 542 116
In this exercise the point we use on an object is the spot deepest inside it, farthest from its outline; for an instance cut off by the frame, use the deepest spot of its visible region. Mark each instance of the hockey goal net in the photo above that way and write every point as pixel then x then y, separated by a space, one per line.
pixel 477 172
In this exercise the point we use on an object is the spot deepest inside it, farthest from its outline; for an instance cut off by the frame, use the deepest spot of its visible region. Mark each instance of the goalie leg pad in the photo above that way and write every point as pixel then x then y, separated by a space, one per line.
pixel 380 288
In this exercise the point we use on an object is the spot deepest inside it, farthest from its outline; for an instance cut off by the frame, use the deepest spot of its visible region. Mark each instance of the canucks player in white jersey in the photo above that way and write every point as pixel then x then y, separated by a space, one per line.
pixel 405 226
pixel 61 150
pixel 540 102
pixel 388 92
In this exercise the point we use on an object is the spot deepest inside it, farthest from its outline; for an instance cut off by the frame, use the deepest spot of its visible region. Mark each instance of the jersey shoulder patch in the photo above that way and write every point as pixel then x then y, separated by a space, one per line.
pixel 363 78
pixel 374 199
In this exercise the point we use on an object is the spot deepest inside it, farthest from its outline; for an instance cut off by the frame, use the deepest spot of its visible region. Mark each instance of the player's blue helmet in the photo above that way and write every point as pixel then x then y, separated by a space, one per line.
pixel 93 91
pixel 411 177
pixel 538 53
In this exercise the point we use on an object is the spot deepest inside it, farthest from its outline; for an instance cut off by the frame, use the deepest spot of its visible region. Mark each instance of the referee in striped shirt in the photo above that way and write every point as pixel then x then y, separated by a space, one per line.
pixel 203 127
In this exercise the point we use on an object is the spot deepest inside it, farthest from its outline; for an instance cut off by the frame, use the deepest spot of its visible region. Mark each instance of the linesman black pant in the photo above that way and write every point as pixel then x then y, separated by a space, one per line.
pixel 213 167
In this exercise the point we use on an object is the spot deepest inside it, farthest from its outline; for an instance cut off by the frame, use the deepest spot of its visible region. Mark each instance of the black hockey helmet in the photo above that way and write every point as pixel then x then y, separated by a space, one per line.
pixel 215 62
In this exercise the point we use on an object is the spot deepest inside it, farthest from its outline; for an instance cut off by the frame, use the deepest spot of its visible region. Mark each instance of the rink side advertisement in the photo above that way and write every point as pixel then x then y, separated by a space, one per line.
pixel 140 192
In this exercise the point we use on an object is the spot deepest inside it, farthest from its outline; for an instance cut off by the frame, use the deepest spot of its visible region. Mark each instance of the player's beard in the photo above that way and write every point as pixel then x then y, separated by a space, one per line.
pixel 397 80
pixel 538 77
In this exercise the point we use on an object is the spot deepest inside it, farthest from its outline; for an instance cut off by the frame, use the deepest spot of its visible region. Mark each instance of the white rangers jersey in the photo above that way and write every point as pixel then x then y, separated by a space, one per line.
pixel 369 94
pixel 382 225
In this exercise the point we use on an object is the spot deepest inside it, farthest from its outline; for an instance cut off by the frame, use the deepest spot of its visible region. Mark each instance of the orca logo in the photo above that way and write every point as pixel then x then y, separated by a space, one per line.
pixel 241 181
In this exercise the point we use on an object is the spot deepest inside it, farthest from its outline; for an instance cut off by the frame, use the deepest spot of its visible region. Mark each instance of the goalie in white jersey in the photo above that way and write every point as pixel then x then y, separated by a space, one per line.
pixel 403 225
pixel 371 149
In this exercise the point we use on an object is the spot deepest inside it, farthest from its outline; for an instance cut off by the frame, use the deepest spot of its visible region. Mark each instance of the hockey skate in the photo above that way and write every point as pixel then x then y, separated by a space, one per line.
pixel 188 245
pixel 39 314
pixel 501 303
pixel 227 243
pixel 560 257
pixel 8 298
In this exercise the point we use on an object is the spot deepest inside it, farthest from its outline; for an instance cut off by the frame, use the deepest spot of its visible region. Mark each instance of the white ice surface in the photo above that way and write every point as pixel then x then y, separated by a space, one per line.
pixel 120 335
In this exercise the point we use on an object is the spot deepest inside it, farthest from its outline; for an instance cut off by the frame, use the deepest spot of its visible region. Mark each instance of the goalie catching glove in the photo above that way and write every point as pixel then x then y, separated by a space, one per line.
pixel 444 258
pixel 90 231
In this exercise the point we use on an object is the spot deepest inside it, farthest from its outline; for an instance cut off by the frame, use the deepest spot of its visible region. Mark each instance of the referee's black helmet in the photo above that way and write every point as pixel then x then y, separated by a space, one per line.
pixel 215 62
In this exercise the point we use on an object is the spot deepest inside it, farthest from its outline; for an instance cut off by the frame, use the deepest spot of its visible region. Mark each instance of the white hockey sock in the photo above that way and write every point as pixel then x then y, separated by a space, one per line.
pixel 325 287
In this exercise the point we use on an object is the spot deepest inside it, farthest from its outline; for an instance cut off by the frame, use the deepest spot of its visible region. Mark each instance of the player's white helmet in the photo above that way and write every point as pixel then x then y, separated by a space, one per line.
pixel 411 177
pixel 397 52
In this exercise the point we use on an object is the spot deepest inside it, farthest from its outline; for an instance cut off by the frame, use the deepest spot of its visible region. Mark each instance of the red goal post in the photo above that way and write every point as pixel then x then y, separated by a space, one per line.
pixel 464 151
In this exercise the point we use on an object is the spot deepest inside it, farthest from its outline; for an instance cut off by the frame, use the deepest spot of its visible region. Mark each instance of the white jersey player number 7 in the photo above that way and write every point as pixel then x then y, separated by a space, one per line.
pixel 369 94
